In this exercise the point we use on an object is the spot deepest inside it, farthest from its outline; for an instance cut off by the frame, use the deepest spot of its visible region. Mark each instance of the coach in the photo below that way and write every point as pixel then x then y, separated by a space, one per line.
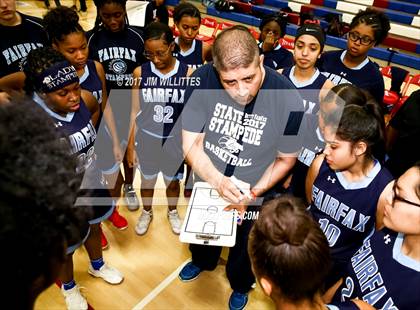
pixel 243 120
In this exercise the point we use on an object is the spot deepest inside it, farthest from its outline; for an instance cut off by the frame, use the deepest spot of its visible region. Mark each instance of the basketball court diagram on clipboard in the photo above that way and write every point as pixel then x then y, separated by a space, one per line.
pixel 205 221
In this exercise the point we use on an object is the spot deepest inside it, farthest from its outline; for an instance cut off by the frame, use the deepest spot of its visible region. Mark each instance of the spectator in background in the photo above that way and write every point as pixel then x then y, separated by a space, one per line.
pixel 156 11
pixel 334 25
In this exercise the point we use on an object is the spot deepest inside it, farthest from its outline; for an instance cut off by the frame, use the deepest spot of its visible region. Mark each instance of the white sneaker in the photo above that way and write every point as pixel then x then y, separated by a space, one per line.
pixel 109 274
pixel 130 197
pixel 143 222
pixel 74 299
pixel 175 221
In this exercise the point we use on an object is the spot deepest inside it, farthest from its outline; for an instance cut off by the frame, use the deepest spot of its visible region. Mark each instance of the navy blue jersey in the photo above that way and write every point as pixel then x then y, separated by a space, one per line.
pixel 381 275
pixel 81 135
pixel 245 137
pixel 346 211
pixel 313 143
pixel 91 82
pixel 161 99
pixel 119 53
pixel 366 76
pixel 17 41
pixel 79 129
pixel 277 58
pixel 193 57
pixel 311 88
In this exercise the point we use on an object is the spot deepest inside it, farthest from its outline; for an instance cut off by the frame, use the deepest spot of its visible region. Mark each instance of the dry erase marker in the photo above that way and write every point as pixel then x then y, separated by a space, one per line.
pixel 244 191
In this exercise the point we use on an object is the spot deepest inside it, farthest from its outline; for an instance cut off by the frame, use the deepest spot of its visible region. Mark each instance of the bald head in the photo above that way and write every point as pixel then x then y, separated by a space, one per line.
pixel 234 48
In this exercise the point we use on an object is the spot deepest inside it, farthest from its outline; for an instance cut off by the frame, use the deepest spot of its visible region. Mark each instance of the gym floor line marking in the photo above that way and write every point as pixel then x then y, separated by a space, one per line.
pixel 160 287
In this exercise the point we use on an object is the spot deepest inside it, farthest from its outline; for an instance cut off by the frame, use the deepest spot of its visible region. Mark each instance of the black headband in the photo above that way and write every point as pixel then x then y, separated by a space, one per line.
pixel 56 77
pixel 313 30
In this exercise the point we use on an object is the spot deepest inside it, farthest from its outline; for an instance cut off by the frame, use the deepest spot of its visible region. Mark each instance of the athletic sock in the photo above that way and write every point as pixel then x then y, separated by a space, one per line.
pixel 69 285
pixel 97 263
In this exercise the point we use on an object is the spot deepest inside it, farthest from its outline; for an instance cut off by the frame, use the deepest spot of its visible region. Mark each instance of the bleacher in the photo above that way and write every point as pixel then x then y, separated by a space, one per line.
pixel 403 30
pixel 410 43
pixel 404 26
pixel 394 99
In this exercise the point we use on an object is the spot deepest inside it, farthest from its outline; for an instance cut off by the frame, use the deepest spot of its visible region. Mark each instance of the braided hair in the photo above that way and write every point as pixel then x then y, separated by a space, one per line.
pixel 38 61
pixel 376 19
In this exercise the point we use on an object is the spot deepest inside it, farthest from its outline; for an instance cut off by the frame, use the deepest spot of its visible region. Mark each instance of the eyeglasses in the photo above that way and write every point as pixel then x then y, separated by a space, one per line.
pixel 364 40
pixel 395 197
pixel 158 54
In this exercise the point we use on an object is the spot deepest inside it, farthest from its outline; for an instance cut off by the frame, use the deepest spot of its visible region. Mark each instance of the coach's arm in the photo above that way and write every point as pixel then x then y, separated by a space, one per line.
pixel 192 145
pixel 276 171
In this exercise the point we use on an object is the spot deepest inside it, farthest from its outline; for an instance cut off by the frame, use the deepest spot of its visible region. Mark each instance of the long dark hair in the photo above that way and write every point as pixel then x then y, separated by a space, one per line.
pixel 345 94
pixel 356 123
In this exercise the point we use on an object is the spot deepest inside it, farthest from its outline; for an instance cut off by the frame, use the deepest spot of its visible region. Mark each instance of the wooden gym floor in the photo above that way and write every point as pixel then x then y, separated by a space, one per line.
pixel 150 263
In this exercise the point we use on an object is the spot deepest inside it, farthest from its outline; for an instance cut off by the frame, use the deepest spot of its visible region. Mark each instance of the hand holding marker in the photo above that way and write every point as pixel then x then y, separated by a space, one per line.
pixel 245 189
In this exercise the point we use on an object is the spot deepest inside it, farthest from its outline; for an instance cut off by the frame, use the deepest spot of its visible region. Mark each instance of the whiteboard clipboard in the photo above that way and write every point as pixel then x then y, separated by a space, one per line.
pixel 205 221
